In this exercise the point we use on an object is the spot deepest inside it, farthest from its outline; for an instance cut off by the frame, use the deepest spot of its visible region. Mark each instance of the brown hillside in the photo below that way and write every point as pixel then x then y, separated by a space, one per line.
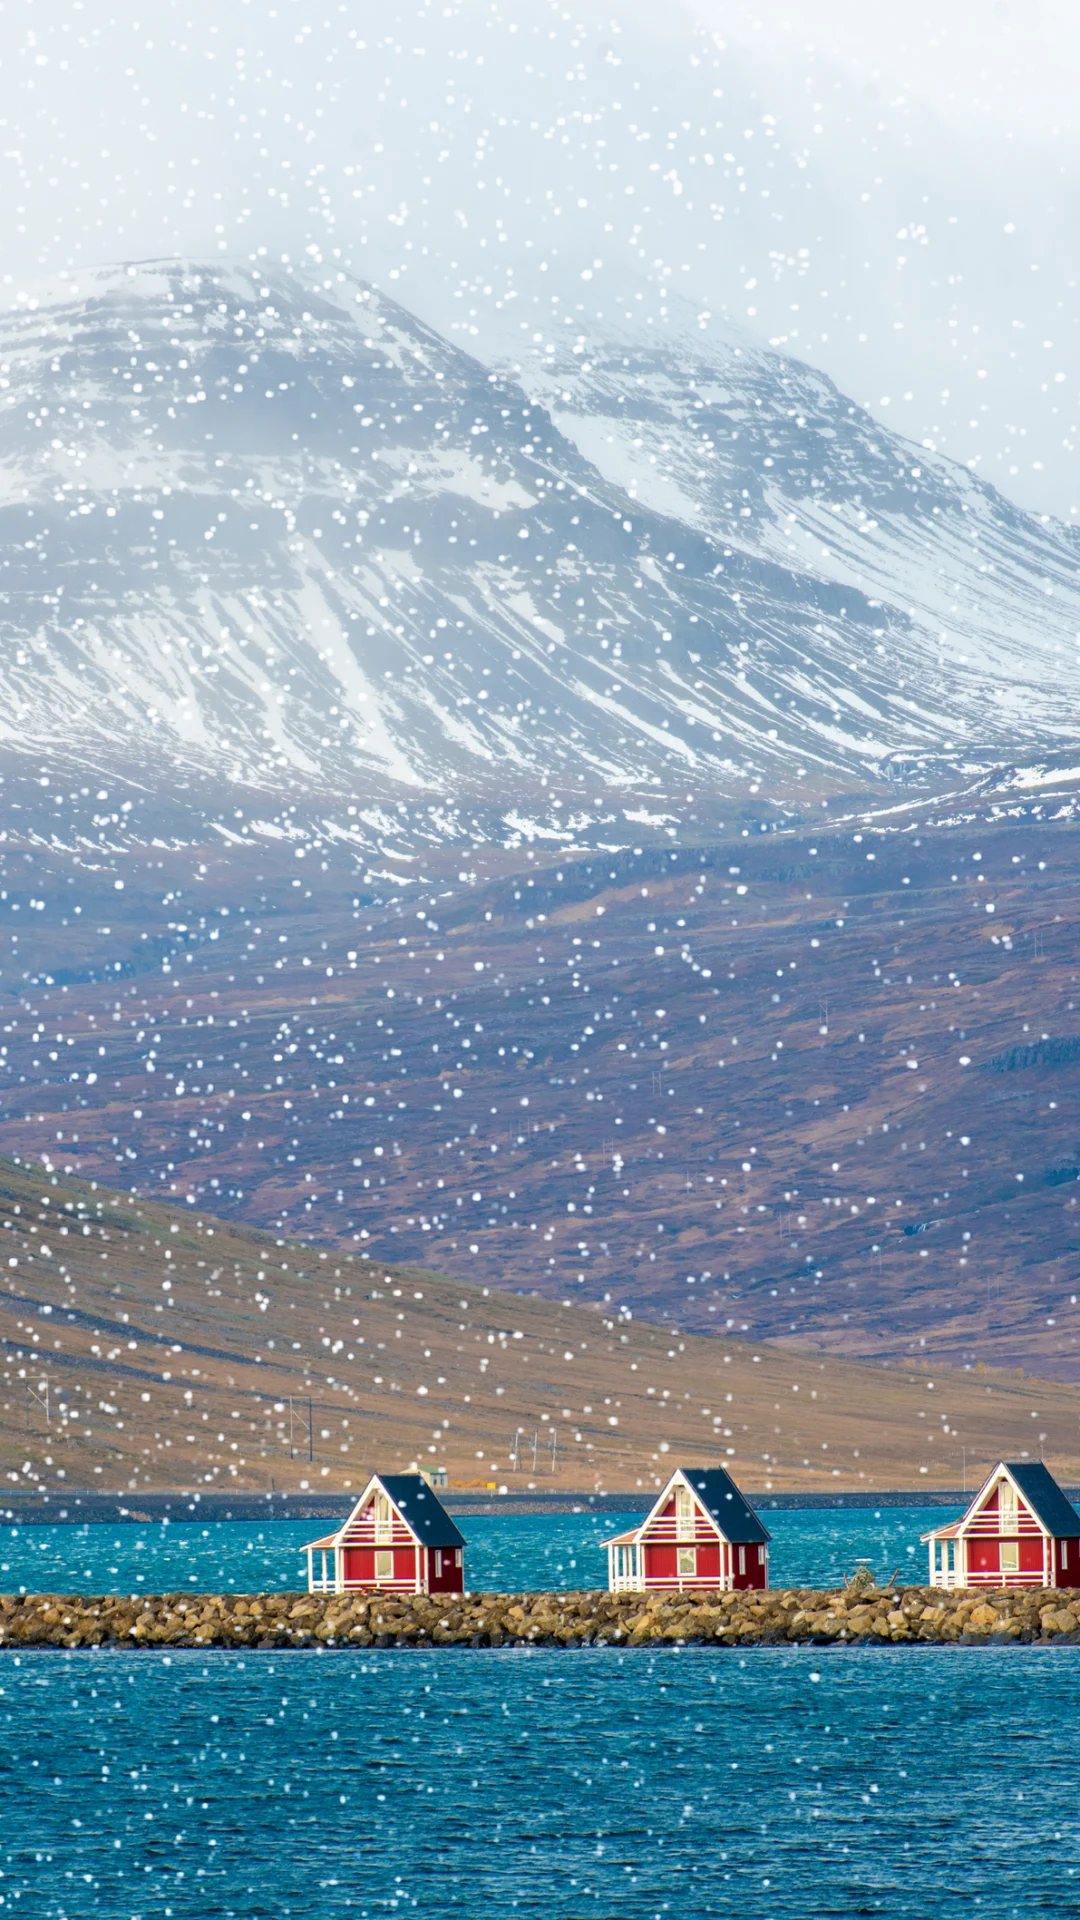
pixel 147 1345
pixel 741 1063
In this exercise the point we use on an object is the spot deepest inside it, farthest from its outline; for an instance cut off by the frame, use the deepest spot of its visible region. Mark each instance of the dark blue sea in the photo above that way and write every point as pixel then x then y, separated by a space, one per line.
pixel 555 1785
pixel 604 1783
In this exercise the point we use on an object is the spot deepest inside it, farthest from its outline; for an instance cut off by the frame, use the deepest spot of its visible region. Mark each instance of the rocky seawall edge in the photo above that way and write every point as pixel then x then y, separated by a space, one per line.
pixel 793 1616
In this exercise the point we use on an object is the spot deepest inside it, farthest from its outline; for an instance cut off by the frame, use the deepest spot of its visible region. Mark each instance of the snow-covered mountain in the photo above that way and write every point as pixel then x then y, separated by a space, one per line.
pixel 753 448
pixel 278 532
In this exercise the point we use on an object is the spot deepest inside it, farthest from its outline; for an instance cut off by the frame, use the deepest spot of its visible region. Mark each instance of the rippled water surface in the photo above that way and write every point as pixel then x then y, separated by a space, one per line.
pixel 556 1785
pixel 810 1547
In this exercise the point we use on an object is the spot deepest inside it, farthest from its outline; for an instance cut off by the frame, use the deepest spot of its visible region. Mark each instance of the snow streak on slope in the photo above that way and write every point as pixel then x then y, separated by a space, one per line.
pixel 754 448
pixel 281 532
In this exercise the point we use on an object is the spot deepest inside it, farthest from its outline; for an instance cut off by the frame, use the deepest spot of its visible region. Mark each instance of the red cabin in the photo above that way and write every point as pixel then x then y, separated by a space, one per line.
pixel 1019 1531
pixel 700 1536
pixel 398 1536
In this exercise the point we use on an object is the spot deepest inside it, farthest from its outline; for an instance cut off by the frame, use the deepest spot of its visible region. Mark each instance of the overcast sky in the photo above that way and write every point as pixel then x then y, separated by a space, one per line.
pixel 888 197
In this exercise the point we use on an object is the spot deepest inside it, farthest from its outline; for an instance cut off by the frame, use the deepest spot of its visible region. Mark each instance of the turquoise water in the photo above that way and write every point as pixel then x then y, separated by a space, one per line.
pixel 468 1784
pixel 554 1786
pixel 810 1548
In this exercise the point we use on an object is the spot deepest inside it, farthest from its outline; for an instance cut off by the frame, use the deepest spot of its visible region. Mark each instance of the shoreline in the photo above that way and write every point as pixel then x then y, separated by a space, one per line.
pixel 911 1616
pixel 80 1507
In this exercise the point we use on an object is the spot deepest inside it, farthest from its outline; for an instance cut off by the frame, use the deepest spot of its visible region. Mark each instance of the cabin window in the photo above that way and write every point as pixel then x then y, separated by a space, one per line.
pixel 384 1517
pixel 438 1563
pixel 687 1563
pixel 742 1559
pixel 384 1566
pixel 1007 1504
pixel 1010 1556
pixel 457 1556
pixel 1064 1553
pixel 684 1514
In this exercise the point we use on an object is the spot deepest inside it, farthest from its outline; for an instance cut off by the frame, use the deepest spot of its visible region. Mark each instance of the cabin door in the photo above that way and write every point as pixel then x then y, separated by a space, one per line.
pixel 708 1562
pixel 1031 1555
pixel 661 1565
pixel 982 1556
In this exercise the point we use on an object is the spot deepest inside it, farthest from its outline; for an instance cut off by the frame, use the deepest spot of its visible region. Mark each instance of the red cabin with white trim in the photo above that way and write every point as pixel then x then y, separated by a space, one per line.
pixel 1019 1531
pixel 398 1536
pixel 701 1536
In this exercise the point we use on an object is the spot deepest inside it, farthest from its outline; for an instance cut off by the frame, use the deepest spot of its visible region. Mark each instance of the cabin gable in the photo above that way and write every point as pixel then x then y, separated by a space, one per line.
pixel 376 1521
pixel 681 1519
pixel 1000 1510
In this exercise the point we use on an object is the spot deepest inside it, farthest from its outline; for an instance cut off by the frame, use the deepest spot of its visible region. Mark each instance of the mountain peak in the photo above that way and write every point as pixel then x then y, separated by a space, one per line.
pixel 263 523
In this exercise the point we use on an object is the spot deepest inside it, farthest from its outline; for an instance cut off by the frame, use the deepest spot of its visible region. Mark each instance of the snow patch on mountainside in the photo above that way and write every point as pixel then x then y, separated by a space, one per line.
pixel 763 451
pixel 272 530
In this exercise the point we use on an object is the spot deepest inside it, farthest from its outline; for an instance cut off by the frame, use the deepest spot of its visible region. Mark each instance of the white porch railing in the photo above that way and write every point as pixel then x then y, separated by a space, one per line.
pixel 949 1572
pixel 626 1569
pixel 323 1582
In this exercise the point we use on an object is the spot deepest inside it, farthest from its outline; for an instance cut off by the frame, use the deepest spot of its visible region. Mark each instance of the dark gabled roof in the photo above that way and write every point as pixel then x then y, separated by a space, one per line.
pixel 721 1498
pixel 1045 1498
pixel 422 1509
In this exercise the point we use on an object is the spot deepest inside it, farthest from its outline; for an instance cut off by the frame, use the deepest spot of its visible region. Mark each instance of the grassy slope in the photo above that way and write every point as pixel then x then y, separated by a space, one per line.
pixel 178 1339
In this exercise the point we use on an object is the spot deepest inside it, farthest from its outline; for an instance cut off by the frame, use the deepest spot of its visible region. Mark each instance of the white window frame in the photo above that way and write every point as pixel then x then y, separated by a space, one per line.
pixel 1009 1556
pixel 686 1563
pixel 385 1571
pixel 384 1520
pixel 685 1513
pixel 1007 1507
pixel 438 1563
pixel 742 1559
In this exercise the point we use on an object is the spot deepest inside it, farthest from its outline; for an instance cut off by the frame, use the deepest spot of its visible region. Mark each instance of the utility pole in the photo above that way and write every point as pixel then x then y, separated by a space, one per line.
pixel 554 1447
pixel 42 1403
pixel 536 1443
pixel 297 1420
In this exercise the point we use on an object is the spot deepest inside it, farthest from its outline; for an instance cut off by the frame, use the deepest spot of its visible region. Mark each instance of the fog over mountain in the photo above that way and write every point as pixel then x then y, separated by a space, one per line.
pixel 891 198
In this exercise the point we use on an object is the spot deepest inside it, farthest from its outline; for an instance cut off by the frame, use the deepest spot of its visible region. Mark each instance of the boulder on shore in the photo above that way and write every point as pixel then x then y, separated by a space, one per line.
pixel 852 1616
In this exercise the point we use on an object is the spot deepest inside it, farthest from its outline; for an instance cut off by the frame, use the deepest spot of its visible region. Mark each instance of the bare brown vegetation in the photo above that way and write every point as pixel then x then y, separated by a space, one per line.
pixel 147 1345
pixel 777 1023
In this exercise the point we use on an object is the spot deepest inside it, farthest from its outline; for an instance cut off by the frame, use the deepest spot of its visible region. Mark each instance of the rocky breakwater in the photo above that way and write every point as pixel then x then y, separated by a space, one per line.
pixel 793 1616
